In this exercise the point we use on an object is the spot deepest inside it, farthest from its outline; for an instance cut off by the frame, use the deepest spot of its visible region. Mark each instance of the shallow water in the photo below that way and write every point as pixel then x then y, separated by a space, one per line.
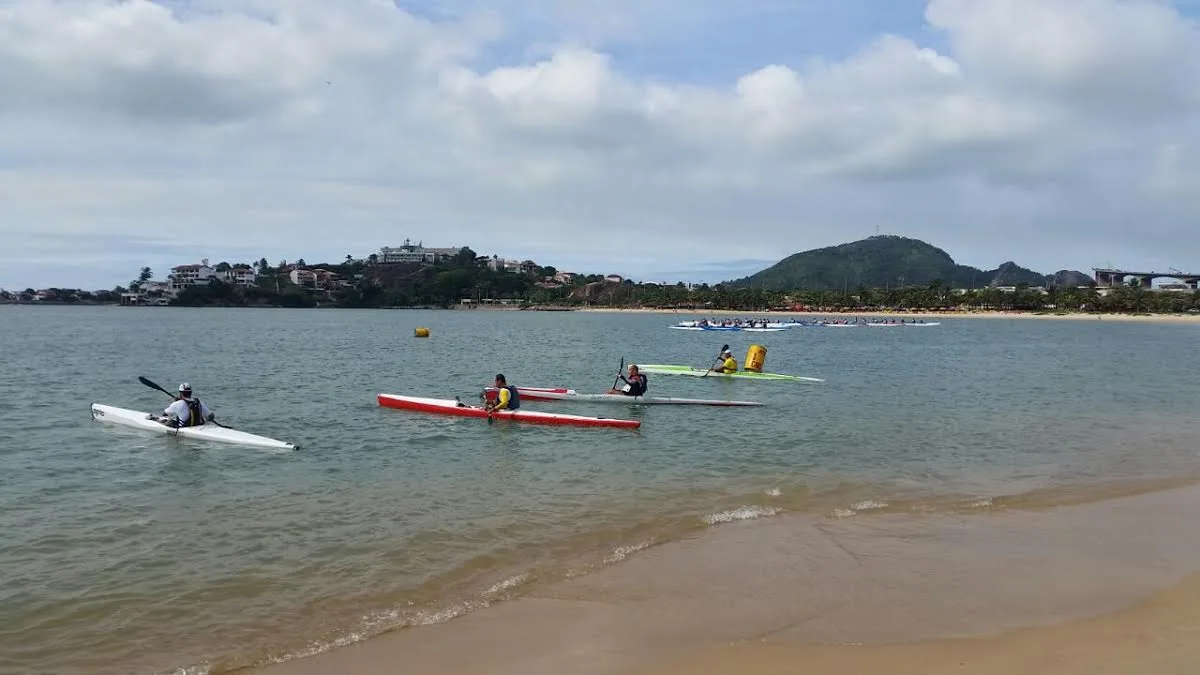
pixel 128 552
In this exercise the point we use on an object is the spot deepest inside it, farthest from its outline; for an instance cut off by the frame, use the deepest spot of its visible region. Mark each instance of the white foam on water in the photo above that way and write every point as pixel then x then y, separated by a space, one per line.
pixel 389 620
pixel 198 669
pixel 622 552
pixel 855 509
pixel 506 585
pixel 774 492
pixel 743 513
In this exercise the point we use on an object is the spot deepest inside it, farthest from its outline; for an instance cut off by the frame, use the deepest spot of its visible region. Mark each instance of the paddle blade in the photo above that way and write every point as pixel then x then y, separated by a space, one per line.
pixel 152 385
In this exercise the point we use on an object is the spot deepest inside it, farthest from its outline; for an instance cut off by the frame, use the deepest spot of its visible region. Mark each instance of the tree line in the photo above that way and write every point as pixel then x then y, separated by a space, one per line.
pixel 368 284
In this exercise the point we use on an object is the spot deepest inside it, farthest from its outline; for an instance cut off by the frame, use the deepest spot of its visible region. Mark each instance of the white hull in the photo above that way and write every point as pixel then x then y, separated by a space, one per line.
pixel 558 394
pixel 208 432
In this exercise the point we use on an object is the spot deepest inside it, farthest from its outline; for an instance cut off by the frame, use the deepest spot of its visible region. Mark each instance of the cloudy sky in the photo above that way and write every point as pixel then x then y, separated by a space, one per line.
pixel 660 139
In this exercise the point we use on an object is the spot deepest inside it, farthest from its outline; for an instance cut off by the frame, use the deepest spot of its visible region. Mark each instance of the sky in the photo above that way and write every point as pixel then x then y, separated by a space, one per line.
pixel 696 140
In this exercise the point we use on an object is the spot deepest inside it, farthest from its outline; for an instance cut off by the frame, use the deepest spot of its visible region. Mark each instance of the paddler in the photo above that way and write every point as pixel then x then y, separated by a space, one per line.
pixel 186 411
pixel 729 364
pixel 635 383
pixel 507 398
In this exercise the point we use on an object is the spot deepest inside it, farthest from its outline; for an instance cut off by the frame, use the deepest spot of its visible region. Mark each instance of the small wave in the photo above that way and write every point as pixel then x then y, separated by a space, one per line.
pixel 388 621
pixel 506 585
pixel 855 509
pixel 743 513
pixel 774 492
pixel 984 503
pixel 198 669
pixel 622 552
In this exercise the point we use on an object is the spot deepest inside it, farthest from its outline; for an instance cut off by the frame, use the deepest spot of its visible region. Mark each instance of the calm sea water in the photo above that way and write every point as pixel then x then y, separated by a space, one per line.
pixel 129 552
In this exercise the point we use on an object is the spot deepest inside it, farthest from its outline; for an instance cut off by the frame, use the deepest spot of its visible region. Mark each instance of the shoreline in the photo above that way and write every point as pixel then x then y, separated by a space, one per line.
pixel 1189 318
pixel 891 314
pixel 916 592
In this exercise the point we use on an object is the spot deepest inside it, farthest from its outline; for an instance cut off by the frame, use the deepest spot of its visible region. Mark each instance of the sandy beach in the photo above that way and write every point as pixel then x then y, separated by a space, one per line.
pixel 1156 636
pixel 1089 588
pixel 927 316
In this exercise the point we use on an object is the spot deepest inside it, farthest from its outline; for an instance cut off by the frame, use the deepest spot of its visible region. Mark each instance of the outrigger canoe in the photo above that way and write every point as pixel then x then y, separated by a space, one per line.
pixel 443 406
pixel 741 374
pixel 207 431
pixel 563 394
pixel 731 328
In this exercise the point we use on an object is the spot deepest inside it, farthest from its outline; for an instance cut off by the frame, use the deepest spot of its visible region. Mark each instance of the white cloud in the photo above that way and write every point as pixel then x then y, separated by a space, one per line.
pixel 302 128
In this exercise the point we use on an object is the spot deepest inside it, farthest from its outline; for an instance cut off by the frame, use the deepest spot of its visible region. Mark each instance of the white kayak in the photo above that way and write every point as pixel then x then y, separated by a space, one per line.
pixel 207 431
pixel 564 394
pixel 659 369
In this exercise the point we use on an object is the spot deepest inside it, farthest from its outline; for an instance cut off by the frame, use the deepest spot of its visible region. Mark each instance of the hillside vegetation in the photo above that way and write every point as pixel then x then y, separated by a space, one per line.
pixel 888 261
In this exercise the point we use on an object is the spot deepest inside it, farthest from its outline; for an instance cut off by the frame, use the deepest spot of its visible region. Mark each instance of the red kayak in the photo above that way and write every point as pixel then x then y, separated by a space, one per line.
pixel 444 406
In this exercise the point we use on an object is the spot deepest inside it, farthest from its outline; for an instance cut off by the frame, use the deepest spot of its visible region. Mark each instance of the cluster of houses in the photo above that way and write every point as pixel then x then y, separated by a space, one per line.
pixel 184 276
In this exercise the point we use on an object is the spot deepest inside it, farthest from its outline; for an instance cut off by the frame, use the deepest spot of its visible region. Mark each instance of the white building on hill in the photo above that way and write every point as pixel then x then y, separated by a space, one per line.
pixel 240 275
pixel 184 276
pixel 415 253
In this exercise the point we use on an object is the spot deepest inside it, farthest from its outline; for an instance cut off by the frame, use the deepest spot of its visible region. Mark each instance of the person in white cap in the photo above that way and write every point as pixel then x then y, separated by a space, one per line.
pixel 187 411
pixel 729 365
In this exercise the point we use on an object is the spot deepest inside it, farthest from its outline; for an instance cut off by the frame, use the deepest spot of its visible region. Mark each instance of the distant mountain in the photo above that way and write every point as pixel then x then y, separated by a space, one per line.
pixel 889 260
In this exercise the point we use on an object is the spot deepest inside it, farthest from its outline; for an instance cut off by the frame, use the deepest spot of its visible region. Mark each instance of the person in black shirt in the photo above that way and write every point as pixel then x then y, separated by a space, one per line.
pixel 635 383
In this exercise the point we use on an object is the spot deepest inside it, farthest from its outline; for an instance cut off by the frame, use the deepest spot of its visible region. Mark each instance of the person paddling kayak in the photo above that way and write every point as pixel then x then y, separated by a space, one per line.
pixel 507 397
pixel 729 364
pixel 635 383
pixel 186 411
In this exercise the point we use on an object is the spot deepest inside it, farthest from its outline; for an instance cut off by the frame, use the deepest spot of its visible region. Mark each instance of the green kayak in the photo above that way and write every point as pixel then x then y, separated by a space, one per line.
pixel 741 374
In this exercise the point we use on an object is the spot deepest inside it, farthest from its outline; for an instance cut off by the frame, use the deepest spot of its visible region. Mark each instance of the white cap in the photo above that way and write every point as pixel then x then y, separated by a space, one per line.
pixel 185 387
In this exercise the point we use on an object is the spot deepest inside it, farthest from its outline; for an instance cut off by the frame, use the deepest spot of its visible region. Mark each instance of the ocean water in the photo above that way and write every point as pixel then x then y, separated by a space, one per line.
pixel 131 552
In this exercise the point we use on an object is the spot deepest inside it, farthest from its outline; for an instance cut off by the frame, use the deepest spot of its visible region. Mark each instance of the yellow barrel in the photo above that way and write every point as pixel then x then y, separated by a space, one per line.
pixel 756 356
pixel 421 332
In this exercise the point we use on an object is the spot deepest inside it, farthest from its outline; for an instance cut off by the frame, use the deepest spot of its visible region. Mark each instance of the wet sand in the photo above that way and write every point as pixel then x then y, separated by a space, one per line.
pixel 894 593
pixel 1156 636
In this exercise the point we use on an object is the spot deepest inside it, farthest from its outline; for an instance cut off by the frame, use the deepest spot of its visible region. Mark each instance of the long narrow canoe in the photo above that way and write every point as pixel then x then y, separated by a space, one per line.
pixel 729 328
pixel 563 394
pixel 444 406
pixel 658 369
pixel 207 431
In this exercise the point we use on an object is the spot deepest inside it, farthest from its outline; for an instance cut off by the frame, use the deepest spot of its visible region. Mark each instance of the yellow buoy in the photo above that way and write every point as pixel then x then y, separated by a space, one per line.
pixel 756 356
pixel 421 332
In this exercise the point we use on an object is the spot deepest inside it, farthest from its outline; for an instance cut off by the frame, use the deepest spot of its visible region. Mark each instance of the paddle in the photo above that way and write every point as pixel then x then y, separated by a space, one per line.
pixel 709 370
pixel 152 385
pixel 620 371
pixel 482 395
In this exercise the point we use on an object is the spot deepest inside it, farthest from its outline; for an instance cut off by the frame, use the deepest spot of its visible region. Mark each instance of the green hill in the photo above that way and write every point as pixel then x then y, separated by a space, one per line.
pixel 888 261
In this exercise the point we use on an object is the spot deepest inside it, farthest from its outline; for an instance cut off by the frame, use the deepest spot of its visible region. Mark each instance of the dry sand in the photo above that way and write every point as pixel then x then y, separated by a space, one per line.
pixel 895 594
